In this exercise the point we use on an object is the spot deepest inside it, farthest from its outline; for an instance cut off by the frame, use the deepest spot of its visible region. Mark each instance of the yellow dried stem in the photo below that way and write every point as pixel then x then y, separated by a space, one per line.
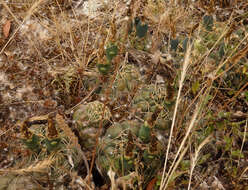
pixel 72 137
pixel 27 134
pixel 51 129
pixel 37 167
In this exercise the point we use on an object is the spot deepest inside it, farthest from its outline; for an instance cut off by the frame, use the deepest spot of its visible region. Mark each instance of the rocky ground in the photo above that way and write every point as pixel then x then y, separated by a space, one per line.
pixel 73 74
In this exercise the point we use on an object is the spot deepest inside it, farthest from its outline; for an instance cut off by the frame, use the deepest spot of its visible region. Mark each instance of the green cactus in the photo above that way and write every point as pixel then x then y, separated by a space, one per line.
pixel 88 118
pixel 53 144
pixel 144 133
pixel 104 69
pixel 148 97
pixel 31 140
pixel 124 145
pixel 33 143
pixel 47 140
pixel 141 29
pixel 127 80
pixel 208 22
pixel 111 52
pixel 90 114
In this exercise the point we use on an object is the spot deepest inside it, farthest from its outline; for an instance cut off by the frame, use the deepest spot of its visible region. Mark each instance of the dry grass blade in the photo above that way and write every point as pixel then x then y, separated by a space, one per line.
pixel 73 138
pixel 192 122
pixel 82 183
pixel 243 141
pixel 231 57
pixel 191 125
pixel 239 54
pixel 40 167
pixel 176 165
pixel 183 74
pixel 29 13
pixel 196 157
pixel 243 174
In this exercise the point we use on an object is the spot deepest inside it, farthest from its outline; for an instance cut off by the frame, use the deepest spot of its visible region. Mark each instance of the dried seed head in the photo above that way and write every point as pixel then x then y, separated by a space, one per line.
pixel 52 132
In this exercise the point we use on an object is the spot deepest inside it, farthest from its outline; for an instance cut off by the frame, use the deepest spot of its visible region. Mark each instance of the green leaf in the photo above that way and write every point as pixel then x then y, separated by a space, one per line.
pixel 205 101
pixel 141 29
pixel 246 95
pixel 53 144
pixel 200 47
pixel 204 158
pixel 209 130
pixel 32 143
pixel 185 165
pixel 111 52
pixel 174 44
pixel 104 68
pixel 208 22
pixel 237 154
pixel 228 142
pixel 195 87
pixel 222 50
pixel 144 133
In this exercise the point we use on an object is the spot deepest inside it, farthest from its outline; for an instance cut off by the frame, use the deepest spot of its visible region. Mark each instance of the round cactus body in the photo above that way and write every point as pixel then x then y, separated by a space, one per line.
pixel 128 147
pixel 90 114
pixel 149 97
pixel 127 79
pixel 53 152
pixel 88 117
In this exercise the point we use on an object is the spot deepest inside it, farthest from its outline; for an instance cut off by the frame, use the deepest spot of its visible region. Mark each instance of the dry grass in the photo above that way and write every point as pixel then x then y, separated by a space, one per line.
pixel 40 167
pixel 51 59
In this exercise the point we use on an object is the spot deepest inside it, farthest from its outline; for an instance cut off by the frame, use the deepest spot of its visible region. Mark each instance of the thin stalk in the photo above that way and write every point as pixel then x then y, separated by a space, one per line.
pixel 183 75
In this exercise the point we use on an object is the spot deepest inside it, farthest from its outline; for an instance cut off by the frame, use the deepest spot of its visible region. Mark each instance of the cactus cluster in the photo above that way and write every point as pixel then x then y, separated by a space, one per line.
pixel 130 146
pixel 127 81
pixel 50 146
pixel 87 118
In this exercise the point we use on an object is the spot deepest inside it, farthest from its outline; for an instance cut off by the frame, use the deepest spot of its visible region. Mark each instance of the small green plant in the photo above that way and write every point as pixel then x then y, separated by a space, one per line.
pixel 31 141
pixel 111 51
pixel 208 22
pixel 51 146
pixel 141 29
pixel 104 68
pixel 125 146
pixel 174 44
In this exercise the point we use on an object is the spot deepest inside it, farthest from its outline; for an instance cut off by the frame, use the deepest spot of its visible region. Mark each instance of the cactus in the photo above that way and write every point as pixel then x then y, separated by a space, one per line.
pixel 104 69
pixel 127 80
pixel 90 114
pixel 127 146
pixel 148 97
pixel 52 149
pixel 32 141
pixel 88 117
pixel 111 51
pixel 141 29
pixel 208 22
